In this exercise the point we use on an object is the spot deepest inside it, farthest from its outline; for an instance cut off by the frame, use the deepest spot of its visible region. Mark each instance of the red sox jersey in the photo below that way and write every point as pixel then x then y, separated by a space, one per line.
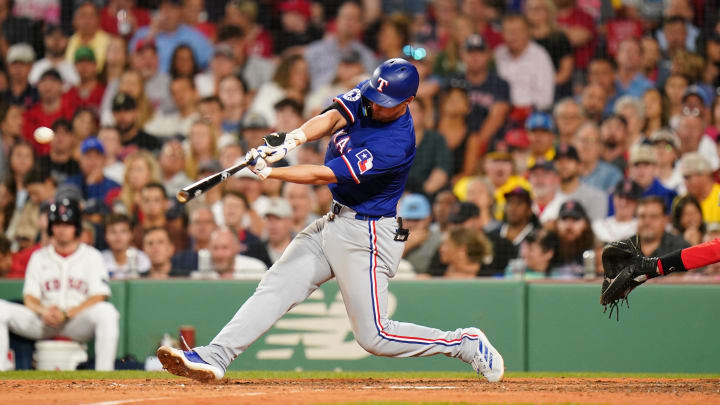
pixel 66 282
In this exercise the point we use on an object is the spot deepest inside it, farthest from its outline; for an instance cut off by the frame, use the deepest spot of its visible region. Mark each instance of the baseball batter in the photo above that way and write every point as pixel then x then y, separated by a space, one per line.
pixel 360 242
pixel 66 285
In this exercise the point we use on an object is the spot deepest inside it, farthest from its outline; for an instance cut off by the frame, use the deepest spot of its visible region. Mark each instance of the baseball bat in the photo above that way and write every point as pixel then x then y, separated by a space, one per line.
pixel 199 187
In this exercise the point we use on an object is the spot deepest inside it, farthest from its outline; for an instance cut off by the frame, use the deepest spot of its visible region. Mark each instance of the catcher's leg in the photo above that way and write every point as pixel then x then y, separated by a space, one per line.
pixel 299 272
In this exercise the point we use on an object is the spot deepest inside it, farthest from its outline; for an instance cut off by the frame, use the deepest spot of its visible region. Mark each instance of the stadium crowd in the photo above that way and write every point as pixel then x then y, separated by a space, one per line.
pixel 545 128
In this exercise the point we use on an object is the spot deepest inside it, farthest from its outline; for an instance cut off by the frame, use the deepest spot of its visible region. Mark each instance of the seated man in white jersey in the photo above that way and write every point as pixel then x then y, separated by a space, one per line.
pixel 65 292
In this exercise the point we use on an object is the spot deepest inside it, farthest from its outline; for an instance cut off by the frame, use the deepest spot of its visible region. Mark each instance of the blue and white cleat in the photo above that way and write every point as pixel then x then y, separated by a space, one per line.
pixel 488 360
pixel 188 364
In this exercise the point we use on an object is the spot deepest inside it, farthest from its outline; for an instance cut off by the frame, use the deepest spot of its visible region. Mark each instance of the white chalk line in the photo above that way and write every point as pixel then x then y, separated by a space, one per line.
pixel 130 401
pixel 412 387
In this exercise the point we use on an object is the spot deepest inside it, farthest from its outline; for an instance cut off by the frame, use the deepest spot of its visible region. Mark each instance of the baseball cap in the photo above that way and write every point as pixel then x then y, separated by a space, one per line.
pixel 254 121
pixel 143 43
pixel 567 151
pixel 519 192
pixel 572 209
pixel 92 143
pixel 301 7
pixel 279 207
pixel 517 138
pixel 541 164
pixel 499 155
pixel 123 102
pixel 695 90
pixel 694 163
pixel 223 50
pixel 475 43
pixel 21 52
pixel 642 154
pixel 51 74
pixel 414 206
pixel 463 211
pixel 627 188
pixel 84 53
pixel 540 121
pixel 663 135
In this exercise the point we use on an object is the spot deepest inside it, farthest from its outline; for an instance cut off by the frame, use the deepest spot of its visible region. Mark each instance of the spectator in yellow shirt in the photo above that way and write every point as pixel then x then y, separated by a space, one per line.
pixel 86 22
pixel 699 182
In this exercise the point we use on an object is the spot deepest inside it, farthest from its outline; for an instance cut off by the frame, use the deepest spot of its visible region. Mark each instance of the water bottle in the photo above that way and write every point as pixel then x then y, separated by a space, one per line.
pixel 589 264
pixel 123 23
pixel 132 260
pixel 517 269
pixel 205 264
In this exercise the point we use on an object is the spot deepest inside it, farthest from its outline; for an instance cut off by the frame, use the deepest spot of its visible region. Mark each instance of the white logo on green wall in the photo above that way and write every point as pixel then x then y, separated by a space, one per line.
pixel 323 330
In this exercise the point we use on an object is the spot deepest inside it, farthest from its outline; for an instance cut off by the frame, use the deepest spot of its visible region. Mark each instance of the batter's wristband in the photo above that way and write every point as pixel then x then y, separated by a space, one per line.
pixel 298 135
pixel 671 263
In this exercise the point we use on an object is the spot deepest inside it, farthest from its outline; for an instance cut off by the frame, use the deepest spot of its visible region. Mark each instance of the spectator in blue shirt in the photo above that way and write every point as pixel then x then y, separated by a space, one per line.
pixel 169 32
pixel 594 171
pixel 629 79
pixel 91 182
pixel 643 170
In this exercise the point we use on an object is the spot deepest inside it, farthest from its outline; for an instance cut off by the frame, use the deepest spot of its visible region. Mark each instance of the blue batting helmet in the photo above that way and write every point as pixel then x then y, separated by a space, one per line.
pixel 392 83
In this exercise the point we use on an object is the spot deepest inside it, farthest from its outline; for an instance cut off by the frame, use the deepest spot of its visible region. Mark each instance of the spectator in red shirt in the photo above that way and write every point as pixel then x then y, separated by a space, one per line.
pixel 89 93
pixel 243 14
pixel 5 256
pixel 194 15
pixel 123 17
pixel 579 27
pixel 47 110
pixel 479 13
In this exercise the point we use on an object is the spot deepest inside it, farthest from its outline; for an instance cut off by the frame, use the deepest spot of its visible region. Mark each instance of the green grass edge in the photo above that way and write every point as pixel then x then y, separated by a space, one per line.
pixel 293 375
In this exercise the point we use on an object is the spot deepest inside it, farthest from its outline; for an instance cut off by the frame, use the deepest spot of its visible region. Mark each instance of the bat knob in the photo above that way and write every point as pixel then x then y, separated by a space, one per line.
pixel 183 196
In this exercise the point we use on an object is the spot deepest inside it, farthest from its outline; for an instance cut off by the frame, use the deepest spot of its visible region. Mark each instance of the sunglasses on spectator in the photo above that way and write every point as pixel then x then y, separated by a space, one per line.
pixel 665 145
pixel 691 112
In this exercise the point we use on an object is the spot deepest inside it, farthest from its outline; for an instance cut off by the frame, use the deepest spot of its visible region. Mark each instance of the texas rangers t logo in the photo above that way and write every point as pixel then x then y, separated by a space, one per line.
pixel 365 159
pixel 381 83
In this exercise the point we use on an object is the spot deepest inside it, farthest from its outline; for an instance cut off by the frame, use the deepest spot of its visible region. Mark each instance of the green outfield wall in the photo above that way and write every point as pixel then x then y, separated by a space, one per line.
pixel 536 326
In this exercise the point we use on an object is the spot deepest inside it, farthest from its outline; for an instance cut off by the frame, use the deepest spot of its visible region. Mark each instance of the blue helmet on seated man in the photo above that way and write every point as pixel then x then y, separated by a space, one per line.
pixel 393 82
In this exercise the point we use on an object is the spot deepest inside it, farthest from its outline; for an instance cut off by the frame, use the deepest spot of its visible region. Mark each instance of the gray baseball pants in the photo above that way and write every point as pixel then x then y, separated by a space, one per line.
pixel 362 255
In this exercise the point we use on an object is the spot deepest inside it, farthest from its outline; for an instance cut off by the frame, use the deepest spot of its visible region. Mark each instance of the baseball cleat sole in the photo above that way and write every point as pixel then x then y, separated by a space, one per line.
pixel 176 363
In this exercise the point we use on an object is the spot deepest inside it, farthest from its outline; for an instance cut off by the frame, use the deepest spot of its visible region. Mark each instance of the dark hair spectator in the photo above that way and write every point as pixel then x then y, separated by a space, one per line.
pixel 687 219
pixel 183 62
pixel 466 253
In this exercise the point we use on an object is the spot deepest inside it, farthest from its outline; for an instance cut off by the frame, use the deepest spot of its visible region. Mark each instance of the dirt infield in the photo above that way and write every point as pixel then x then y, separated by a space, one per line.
pixel 311 391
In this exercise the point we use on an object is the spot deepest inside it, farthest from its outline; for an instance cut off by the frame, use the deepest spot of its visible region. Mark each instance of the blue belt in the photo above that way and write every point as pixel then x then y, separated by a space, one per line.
pixel 336 208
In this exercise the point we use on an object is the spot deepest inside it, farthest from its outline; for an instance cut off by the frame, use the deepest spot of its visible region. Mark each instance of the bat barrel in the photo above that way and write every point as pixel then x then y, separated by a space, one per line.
pixel 183 196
